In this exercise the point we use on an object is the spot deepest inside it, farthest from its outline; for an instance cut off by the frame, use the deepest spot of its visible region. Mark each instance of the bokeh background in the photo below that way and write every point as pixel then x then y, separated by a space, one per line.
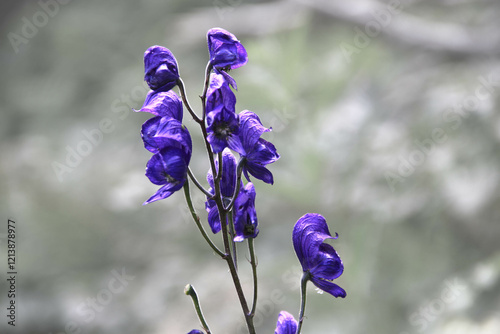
pixel 386 118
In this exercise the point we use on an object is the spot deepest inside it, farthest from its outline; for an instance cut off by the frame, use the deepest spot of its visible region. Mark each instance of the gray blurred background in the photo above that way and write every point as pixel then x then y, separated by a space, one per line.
pixel 386 118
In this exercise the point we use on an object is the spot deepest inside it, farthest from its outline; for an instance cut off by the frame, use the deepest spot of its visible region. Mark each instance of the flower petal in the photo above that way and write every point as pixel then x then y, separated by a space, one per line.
pixel 160 68
pixel 219 94
pixel 245 217
pixel 225 50
pixel 251 129
pixel 163 104
pixel 329 265
pixel 329 287
pixel 308 234
pixel 286 324
pixel 258 171
pixel 161 132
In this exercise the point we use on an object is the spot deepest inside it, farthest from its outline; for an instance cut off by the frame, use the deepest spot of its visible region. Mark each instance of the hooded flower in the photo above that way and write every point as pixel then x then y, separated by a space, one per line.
pixel 286 324
pixel 161 132
pixel 167 168
pixel 219 93
pixel 225 50
pixel 164 104
pixel 196 331
pixel 245 217
pixel 160 69
pixel 227 187
pixel 319 259
pixel 257 152
pixel 223 130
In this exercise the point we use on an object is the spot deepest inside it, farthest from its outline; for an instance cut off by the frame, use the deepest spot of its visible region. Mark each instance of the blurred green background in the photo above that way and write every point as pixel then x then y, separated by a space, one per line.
pixel 385 116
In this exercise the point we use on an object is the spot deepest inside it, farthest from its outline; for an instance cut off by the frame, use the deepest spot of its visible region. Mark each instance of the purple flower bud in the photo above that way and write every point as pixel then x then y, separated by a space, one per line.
pixel 318 258
pixel 227 187
pixel 286 324
pixel 160 69
pixel 245 217
pixel 225 50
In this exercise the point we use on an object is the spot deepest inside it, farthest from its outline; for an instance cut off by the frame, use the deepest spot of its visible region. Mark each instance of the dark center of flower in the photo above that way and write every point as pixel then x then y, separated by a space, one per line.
pixel 169 178
pixel 222 130
pixel 249 230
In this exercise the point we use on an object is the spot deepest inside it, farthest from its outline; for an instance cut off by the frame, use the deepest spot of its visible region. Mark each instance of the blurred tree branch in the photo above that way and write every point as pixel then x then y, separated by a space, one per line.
pixel 265 18
pixel 408 29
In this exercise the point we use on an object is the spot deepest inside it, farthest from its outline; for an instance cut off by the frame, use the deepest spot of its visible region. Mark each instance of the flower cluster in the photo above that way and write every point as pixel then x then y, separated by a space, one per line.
pixel 230 197
pixel 164 135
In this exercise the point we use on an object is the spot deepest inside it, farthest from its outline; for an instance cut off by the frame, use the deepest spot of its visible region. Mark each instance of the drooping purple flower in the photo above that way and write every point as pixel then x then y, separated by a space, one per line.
pixel 196 331
pixel 160 68
pixel 161 132
pixel 225 50
pixel 317 258
pixel 167 168
pixel 164 104
pixel 258 153
pixel 219 93
pixel 223 130
pixel 286 324
pixel 245 217
pixel 227 188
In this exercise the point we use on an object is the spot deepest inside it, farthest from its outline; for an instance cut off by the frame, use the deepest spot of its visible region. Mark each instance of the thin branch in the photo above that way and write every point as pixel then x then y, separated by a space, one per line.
pixel 196 219
pixel 197 184
pixel 182 90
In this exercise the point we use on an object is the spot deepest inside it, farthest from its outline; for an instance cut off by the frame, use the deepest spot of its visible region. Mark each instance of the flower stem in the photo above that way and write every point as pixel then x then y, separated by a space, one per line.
pixel 190 291
pixel 303 285
pixel 253 262
pixel 232 233
pixel 230 263
pixel 203 95
pixel 196 219
pixel 218 199
pixel 182 90
pixel 197 183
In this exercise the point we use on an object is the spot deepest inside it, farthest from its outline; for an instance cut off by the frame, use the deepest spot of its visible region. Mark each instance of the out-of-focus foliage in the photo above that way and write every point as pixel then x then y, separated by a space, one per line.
pixel 395 140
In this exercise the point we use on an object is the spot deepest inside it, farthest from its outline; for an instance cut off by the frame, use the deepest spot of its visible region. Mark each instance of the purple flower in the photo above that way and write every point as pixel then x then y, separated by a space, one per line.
pixel 219 93
pixel 245 217
pixel 196 331
pixel 167 168
pixel 164 104
pixel 225 50
pixel 257 152
pixel 286 324
pixel 227 187
pixel 318 259
pixel 160 69
pixel 161 132
pixel 223 130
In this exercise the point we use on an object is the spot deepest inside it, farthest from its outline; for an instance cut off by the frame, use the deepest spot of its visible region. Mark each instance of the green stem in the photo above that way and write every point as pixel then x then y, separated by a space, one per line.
pixel 232 234
pixel 253 262
pixel 190 291
pixel 198 184
pixel 182 90
pixel 196 219
pixel 230 262
pixel 203 95
pixel 303 285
